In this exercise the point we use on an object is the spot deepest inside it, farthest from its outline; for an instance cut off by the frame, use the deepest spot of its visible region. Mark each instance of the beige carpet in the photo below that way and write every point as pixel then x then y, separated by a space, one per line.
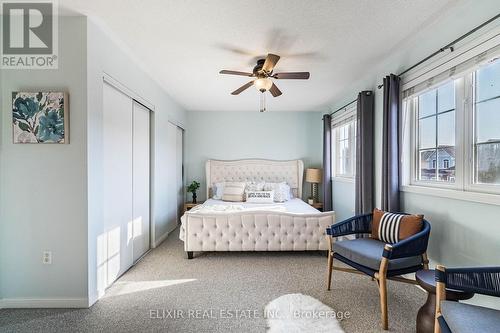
pixel 212 287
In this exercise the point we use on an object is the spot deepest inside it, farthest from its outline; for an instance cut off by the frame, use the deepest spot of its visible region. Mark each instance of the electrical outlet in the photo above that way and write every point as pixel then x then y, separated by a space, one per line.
pixel 47 258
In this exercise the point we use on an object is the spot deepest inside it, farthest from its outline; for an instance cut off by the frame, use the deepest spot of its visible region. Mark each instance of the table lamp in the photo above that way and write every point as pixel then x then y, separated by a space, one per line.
pixel 314 176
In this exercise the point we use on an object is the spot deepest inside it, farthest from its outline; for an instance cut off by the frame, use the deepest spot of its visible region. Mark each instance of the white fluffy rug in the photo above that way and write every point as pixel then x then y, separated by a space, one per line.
pixel 300 313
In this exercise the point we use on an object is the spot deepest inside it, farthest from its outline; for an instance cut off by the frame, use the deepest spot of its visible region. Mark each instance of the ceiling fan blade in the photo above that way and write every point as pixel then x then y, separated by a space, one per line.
pixel 275 91
pixel 224 71
pixel 292 75
pixel 243 87
pixel 271 61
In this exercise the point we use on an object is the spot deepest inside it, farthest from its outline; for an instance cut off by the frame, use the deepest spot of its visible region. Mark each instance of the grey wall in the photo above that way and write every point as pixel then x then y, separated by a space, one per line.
pixel 106 56
pixel 237 135
pixel 43 197
pixel 463 233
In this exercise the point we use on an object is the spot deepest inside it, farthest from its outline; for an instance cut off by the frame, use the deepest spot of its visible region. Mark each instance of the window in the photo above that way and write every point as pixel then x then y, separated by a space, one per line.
pixel 436 133
pixel 487 124
pixel 455 131
pixel 343 144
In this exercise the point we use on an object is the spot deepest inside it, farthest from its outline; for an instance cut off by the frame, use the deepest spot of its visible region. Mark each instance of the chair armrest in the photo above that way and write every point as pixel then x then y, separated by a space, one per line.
pixel 480 280
pixel 360 224
pixel 410 247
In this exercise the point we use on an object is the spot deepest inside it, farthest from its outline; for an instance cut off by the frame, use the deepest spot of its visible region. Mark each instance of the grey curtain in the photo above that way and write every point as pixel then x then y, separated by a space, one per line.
pixel 327 163
pixel 390 144
pixel 364 153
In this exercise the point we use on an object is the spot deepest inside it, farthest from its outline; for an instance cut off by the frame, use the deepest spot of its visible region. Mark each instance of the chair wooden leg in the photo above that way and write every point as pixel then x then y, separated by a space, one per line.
pixel 425 260
pixel 440 296
pixel 330 269
pixel 382 278
pixel 330 264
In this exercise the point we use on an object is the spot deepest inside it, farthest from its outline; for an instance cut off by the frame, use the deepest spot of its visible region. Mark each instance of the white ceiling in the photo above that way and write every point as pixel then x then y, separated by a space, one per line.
pixel 184 43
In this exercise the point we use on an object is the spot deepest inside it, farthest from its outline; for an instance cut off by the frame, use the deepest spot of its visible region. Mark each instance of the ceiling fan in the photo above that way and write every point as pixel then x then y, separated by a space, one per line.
pixel 263 73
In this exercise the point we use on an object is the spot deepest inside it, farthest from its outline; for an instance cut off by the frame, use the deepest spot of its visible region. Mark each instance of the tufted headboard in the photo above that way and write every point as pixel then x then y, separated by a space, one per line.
pixel 291 172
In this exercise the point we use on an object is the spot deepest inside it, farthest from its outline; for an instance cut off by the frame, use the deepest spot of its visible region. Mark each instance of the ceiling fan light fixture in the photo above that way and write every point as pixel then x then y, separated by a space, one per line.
pixel 263 84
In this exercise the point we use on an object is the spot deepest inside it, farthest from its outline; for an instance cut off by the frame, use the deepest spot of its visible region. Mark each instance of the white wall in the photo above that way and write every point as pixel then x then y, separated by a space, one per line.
pixel 43 197
pixel 463 233
pixel 237 135
pixel 106 56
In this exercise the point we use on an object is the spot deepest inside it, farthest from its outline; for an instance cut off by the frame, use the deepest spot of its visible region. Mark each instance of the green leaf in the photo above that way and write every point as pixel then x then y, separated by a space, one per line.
pixel 61 113
pixel 39 96
pixel 23 126
pixel 36 129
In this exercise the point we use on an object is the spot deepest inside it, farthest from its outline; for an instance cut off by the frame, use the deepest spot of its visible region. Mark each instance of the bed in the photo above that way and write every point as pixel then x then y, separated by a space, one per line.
pixel 240 226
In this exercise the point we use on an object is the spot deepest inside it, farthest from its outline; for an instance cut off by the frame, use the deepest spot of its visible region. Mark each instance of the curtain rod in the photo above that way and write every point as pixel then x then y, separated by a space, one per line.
pixel 449 46
pixel 340 109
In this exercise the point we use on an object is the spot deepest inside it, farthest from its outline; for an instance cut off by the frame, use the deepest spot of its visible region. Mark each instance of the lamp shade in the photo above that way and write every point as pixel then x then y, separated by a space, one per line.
pixel 314 175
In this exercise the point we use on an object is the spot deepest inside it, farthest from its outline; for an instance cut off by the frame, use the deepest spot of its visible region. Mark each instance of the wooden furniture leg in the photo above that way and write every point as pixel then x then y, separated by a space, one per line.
pixel 440 296
pixel 190 254
pixel 425 260
pixel 330 264
pixel 381 276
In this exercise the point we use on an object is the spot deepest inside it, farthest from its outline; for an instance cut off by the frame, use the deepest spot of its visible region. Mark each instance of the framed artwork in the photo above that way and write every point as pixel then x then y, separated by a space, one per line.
pixel 40 117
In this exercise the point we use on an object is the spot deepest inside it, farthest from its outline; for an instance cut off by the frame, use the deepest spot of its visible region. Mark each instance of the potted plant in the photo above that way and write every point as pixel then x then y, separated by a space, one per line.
pixel 192 188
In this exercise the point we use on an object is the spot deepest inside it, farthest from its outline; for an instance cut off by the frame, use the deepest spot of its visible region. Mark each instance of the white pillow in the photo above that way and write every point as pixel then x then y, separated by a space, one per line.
pixel 260 196
pixel 281 191
pixel 255 186
pixel 234 191
pixel 217 191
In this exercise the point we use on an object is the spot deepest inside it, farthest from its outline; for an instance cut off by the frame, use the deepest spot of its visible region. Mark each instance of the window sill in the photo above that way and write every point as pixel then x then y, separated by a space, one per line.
pixel 485 198
pixel 343 179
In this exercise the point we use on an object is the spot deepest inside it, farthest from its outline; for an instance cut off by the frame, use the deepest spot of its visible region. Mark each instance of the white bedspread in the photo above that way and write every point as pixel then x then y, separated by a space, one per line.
pixel 213 206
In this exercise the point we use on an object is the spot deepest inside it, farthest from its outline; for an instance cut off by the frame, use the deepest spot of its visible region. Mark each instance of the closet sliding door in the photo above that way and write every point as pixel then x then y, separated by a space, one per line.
pixel 126 183
pixel 141 180
pixel 117 183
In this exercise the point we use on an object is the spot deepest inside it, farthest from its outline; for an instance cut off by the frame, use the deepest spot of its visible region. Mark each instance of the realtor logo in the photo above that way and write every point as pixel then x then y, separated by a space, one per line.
pixel 29 34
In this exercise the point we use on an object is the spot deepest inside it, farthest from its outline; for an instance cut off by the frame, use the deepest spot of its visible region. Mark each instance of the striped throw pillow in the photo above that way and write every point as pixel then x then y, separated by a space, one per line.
pixel 234 191
pixel 392 228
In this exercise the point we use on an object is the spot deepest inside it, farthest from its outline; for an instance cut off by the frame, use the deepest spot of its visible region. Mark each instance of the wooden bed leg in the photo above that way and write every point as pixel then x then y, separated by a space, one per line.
pixel 189 254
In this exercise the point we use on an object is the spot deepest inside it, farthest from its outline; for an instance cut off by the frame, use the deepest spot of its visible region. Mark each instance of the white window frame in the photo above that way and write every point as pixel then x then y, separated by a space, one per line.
pixel 464 185
pixel 413 147
pixel 469 167
pixel 347 116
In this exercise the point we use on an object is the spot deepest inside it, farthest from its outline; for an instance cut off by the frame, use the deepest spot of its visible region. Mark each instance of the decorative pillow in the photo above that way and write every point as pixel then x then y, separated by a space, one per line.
pixel 234 191
pixel 217 191
pixel 255 186
pixel 281 191
pixel 260 196
pixel 392 228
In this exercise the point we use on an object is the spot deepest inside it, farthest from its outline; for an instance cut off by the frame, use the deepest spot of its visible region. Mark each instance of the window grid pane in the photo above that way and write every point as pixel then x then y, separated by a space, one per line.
pixel 436 134
pixel 486 121
pixel 344 149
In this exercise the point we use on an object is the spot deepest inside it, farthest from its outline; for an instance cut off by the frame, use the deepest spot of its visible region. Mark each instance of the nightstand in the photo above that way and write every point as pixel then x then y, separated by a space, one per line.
pixel 318 206
pixel 189 205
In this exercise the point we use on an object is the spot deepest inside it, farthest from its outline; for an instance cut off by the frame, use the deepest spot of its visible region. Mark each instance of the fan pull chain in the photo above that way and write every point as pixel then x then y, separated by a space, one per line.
pixel 262 102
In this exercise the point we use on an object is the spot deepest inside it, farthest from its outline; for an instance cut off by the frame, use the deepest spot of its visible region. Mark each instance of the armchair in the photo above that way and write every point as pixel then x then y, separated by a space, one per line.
pixel 460 317
pixel 375 258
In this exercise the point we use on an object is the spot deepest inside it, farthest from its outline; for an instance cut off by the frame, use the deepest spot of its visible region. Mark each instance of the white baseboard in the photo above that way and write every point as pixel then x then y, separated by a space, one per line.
pixel 161 239
pixel 20 303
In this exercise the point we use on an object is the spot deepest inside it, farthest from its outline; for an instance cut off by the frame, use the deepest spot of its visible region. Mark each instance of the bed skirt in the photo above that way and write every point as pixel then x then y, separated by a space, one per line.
pixel 256 231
